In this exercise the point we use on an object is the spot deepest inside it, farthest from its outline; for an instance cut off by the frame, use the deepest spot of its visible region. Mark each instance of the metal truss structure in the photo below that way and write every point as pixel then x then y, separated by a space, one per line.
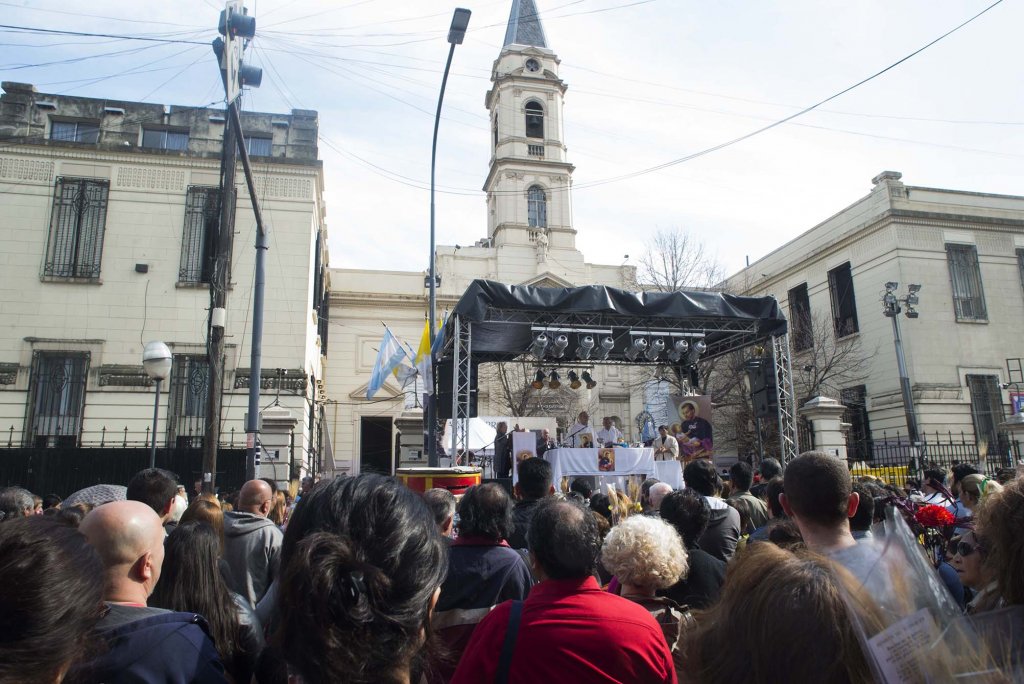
pixel 722 336
pixel 789 443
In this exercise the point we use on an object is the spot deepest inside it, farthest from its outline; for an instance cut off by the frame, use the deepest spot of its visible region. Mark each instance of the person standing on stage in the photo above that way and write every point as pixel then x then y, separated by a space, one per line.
pixel 503 451
pixel 609 435
pixel 581 434
pixel 544 442
pixel 666 448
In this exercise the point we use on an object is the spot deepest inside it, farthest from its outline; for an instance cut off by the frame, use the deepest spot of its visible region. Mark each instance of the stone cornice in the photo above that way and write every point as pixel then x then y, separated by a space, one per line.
pixel 878 223
pixel 528 165
pixel 354 299
pixel 99 155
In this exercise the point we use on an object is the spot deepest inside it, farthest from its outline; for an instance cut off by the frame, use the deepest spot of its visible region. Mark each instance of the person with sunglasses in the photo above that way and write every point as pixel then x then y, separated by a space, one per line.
pixel 969 562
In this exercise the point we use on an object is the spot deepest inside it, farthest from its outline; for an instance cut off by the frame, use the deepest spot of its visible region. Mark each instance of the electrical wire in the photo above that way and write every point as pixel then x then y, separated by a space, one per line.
pixel 58 32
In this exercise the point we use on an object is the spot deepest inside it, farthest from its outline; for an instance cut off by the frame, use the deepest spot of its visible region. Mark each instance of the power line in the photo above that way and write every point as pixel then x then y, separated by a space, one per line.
pixel 779 122
pixel 57 32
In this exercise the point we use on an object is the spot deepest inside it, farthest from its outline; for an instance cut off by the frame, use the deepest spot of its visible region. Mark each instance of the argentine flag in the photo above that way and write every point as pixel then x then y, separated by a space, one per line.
pixel 389 356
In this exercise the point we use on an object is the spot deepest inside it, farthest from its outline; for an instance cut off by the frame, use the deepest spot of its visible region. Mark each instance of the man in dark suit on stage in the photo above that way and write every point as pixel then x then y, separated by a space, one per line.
pixel 502 452
pixel 544 442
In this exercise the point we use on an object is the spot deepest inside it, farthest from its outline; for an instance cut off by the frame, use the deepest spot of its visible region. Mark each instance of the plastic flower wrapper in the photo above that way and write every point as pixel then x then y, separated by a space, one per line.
pixel 911 629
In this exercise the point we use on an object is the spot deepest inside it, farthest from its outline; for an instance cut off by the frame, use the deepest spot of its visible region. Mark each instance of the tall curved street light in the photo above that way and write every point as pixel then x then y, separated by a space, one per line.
pixel 456 34
pixel 156 359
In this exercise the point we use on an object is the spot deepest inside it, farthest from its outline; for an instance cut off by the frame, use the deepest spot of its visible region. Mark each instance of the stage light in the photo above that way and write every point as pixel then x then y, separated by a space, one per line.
pixel 638 347
pixel 558 348
pixel 539 346
pixel 591 384
pixel 553 382
pixel 913 288
pixel 586 347
pixel 574 380
pixel 654 351
pixel 679 348
pixel 891 286
pixel 607 344
pixel 538 381
pixel 696 349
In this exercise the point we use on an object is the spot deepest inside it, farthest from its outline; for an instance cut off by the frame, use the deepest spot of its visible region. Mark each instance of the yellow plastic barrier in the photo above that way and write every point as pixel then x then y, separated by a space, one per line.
pixel 894 475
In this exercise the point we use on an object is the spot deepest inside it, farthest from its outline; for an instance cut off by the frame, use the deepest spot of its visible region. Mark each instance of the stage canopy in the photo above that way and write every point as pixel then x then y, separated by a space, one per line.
pixel 571 328
pixel 506 319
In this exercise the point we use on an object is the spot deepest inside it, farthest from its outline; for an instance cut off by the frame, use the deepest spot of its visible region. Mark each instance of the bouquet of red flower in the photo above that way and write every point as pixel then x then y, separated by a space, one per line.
pixel 934 516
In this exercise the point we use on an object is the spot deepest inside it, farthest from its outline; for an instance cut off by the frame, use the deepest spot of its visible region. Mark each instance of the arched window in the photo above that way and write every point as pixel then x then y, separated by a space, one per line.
pixel 537 207
pixel 534 120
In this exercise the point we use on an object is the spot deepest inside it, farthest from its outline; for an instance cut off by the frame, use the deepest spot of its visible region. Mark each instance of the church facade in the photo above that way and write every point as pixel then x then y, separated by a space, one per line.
pixel 530 240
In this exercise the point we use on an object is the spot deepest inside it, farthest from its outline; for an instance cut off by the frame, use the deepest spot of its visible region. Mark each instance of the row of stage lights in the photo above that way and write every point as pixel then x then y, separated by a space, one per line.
pixel 554 381
pixel 681 349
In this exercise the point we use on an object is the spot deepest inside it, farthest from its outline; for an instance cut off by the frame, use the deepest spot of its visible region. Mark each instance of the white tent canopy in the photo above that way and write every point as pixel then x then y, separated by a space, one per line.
pixel 481 435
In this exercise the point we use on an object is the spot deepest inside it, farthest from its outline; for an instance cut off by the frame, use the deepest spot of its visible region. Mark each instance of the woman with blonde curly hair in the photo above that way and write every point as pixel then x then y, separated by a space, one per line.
pixel 646 554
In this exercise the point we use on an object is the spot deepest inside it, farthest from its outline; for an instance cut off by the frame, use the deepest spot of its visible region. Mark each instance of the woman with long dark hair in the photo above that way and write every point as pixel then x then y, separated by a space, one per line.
pixel 362 565
pixel 51 597
pixel 190 581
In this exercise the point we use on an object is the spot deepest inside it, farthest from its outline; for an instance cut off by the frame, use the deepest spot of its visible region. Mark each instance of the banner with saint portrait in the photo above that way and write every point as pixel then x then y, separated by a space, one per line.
pixel 524 446
pixel 692 426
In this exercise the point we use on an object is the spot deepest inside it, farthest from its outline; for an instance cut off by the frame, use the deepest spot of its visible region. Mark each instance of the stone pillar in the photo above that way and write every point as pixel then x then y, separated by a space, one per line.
pixel 826 417
pixel 276 457
pixel 410 425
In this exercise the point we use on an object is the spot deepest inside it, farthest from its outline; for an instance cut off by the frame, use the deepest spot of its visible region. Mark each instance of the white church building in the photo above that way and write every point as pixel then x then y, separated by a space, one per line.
pixel 530 240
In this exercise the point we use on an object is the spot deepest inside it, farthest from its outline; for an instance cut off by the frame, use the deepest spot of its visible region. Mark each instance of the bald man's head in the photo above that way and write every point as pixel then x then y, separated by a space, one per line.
pixel 658 493
pixel 129 538
pixel 256 497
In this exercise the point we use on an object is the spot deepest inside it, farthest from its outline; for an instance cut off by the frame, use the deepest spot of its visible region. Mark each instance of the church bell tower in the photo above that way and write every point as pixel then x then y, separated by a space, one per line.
pixel 528 185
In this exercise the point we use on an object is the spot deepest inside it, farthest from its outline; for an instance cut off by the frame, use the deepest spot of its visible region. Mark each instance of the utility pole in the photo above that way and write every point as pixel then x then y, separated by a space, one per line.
pixel 234 24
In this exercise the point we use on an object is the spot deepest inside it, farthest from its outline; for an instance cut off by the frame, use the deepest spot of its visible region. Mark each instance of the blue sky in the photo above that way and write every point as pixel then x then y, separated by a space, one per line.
pixel 649 82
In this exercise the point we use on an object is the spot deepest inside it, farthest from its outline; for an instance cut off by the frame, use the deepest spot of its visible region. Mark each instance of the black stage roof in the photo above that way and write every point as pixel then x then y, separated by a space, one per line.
pixel 504 320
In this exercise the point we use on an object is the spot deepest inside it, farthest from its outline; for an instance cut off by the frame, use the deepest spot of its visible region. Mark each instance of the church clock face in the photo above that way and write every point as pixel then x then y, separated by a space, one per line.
pixel 532 65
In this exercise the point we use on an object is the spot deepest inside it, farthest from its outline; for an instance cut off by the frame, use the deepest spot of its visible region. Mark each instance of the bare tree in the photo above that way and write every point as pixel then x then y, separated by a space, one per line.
pixel 676 260
pixel 511 380
pixel 825 365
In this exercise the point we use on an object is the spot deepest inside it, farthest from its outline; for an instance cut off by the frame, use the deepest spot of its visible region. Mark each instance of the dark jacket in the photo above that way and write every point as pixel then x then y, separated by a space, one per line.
pixel 250 640
pixel 252 549
pixel 522 514
pixel 702 584
pixel 481 574
pixel 503 455
pixel 723 531
pixel 154 646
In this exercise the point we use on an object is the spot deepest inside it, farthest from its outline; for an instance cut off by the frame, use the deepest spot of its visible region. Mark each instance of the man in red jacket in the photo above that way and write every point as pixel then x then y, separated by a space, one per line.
pixel 567 629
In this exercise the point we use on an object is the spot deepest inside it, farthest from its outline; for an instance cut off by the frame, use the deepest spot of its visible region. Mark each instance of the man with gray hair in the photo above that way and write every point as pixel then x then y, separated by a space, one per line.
pixel 658 492
pixel 252 543
pixel 441 503
pixel 15 502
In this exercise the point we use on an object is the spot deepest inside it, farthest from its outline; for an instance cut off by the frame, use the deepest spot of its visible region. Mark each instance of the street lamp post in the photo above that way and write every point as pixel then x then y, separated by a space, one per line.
pixel 456 34
pixel 156 360
pixel 891 308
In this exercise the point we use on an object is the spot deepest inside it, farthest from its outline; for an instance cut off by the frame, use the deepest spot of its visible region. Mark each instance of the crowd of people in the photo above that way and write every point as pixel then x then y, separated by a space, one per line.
pixel 795 574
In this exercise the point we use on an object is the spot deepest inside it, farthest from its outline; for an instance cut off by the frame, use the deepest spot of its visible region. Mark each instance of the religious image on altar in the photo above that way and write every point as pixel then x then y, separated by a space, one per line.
pixel 693 431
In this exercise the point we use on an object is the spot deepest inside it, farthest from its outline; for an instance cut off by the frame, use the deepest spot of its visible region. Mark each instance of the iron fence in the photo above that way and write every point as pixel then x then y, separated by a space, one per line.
pixel 62 470
pixel 890 456
pixel 122 437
